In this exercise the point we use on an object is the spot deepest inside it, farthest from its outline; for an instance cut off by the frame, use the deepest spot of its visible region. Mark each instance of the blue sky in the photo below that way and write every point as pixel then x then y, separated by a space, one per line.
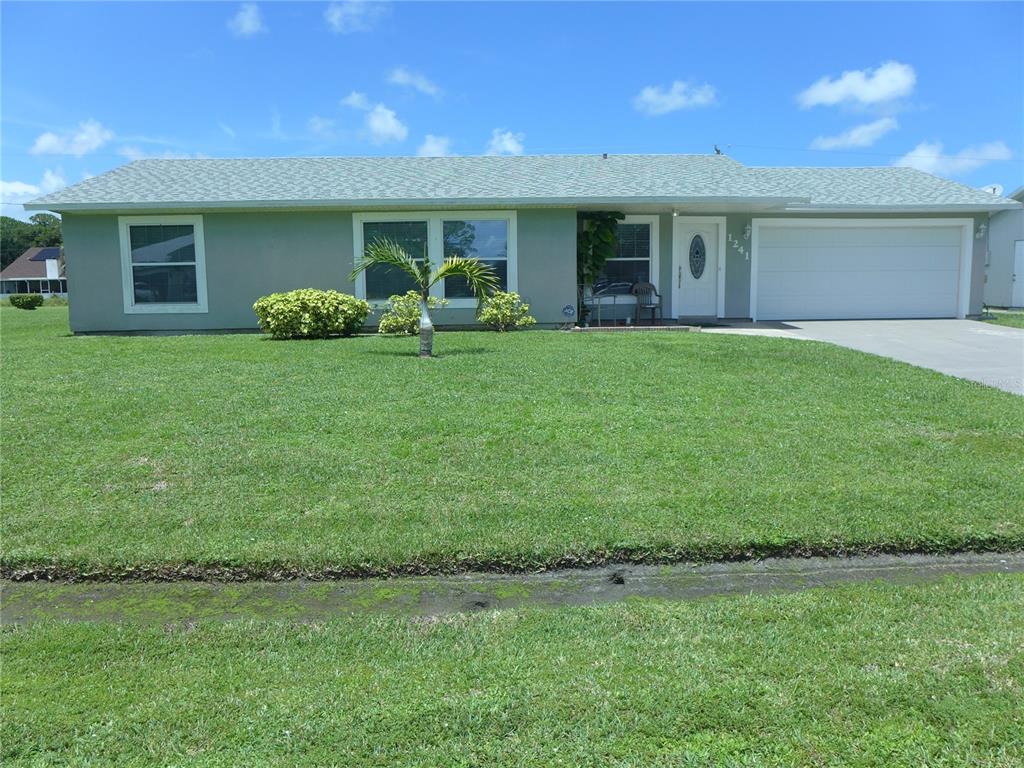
pixel 89 86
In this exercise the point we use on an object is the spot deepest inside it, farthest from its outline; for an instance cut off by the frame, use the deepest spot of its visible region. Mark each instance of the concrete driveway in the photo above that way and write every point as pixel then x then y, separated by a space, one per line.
pixel 968 349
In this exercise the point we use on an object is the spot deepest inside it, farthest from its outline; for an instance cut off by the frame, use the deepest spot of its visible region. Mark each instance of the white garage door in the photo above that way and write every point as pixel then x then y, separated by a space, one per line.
pixel 851 270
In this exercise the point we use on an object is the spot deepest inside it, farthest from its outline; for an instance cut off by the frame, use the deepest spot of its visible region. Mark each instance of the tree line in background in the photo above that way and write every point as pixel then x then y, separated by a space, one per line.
pixel 18 236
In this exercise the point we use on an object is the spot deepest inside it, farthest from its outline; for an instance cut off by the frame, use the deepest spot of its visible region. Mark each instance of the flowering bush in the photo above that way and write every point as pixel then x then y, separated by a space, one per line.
pixel 310 314
pixel 505 312
pixel 403 313
pixel 26 300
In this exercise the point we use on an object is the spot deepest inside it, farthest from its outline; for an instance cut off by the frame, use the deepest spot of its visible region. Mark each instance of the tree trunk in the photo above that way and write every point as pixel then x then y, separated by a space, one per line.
pixel 426 331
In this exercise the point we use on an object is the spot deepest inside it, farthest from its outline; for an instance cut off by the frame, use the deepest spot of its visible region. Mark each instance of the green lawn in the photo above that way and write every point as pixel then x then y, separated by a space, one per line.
pixel 511 450
pixel 870 675
pixel 1014 319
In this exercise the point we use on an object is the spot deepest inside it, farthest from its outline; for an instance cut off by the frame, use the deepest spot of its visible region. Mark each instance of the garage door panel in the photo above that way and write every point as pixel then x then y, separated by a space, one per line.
pixel 893 284
pixel 863 271
pixel 811 237
pixel 863 307
pixel 830 258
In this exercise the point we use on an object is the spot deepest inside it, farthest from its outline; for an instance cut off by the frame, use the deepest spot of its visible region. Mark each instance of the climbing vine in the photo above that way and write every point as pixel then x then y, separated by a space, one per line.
pixel 596 242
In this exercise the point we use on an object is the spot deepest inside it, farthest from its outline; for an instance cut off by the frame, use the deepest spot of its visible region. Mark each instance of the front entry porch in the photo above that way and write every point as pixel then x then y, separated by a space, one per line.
pixel 675 263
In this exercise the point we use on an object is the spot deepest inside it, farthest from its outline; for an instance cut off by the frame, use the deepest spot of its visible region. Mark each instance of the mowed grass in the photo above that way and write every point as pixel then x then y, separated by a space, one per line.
pixel 1011 318
pixel 867 675
pixel 507 451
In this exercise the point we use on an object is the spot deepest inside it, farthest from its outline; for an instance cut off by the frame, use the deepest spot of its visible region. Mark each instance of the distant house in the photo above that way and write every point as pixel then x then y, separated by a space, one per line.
pixel 1004 268
pixel 190 244
pixel 37 270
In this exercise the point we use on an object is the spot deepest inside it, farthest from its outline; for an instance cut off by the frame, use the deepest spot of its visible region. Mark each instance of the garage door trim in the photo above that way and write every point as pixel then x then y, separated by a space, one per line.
pixel 964 264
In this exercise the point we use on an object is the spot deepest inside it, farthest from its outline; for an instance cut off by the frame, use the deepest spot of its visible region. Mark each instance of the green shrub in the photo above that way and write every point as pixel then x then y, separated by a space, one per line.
pixel 26 300
pixel 504 311
pixel 403 313
pixel 310 314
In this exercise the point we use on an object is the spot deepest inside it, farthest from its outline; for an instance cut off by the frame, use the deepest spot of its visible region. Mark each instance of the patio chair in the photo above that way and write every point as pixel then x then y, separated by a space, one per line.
pixel 647 298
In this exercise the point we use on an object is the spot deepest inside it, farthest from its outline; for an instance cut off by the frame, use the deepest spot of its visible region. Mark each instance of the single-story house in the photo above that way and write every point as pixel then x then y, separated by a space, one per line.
pixel 189 244
pixel 1004 273
pixel 37 270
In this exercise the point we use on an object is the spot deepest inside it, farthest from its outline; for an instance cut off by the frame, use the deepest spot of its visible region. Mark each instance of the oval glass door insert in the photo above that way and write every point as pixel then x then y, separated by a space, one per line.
pixel 698 257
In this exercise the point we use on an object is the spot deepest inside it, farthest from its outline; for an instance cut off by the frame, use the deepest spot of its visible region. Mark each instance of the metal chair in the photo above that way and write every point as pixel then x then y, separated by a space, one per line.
pixel 607 295
pixel 647 298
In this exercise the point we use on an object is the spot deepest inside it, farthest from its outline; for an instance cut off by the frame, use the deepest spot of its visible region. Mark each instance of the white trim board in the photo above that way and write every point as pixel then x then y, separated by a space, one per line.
pixel 128 282
pixel 435 245
pixel 723 249
pixel 966 247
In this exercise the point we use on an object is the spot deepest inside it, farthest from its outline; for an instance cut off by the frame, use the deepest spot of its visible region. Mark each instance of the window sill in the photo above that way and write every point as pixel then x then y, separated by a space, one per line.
pixel 165 309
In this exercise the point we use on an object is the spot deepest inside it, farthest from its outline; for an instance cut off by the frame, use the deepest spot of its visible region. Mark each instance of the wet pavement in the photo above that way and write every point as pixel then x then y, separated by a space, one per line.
pixel 300 600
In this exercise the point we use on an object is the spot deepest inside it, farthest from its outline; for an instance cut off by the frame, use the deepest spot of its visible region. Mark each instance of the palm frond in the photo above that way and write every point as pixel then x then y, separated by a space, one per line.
pixel 481 278
pixel 388 253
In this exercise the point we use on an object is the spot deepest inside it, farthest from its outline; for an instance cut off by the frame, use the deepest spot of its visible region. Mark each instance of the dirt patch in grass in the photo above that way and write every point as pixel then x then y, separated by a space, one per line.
pixel 167 572
pixel 181 604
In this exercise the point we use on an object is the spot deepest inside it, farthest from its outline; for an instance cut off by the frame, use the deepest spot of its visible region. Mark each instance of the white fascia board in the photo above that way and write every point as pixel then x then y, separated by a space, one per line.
pixel 909 209
pixel 417 204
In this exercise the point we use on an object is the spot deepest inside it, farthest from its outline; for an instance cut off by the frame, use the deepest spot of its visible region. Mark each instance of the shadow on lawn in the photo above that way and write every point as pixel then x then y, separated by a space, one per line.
pixel 413 351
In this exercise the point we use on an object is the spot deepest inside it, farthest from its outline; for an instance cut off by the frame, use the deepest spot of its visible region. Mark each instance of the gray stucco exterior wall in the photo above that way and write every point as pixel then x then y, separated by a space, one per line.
pixel 1004 230
pixel 249 255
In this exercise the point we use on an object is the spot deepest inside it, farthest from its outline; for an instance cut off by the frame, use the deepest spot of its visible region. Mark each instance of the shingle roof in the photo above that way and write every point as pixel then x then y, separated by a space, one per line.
pixel 523 180
pixel 28 266
pixel 883 186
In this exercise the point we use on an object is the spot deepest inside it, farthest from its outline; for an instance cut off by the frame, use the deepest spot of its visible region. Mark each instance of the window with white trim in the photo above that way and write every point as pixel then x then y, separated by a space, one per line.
pixel 483 239
pixel 163 264
pixel 633 262
pixel 489 236
pixel 412 236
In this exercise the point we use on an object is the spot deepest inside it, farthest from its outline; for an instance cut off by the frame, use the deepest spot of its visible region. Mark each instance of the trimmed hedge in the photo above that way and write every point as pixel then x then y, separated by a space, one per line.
pixel 309 313
pixel 505 311
pixel 26 300
pixel 403 313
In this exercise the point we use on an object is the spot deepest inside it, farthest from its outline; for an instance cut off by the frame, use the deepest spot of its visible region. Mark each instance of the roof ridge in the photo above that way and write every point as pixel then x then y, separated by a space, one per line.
pixel 595 155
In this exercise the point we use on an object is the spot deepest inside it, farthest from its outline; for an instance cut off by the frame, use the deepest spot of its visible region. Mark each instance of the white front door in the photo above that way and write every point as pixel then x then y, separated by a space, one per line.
pixel 1017 295
pixel 695 267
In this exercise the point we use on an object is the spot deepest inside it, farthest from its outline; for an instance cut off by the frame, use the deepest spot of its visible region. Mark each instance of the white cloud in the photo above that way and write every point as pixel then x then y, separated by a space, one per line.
pixel 88 137
pixel 890 81
pixel 247 22
pixel 929 156
pixel 505 142
pixel 132 153
pixel 381 123
pixel 227 129
pixel 384 125
pixel 859 136
pixel 435 146
pixel 321 126
pixel 14 193
pixel 402 76
pixel 353 15
pixel 656 100
pixel 356 100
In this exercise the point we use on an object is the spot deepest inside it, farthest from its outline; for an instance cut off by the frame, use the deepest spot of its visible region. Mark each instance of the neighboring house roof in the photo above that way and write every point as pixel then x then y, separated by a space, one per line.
pixel 1017 194
pixel 31 265
pixel 44 253
pixel 305 182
